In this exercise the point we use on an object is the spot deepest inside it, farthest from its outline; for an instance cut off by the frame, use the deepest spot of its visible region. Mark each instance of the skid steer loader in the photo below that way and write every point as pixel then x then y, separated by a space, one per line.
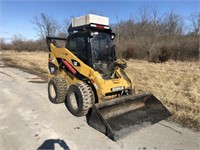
pixel 92 82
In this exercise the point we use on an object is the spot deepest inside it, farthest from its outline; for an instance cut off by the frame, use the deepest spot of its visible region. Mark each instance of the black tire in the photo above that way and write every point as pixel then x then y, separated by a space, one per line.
pixel 80 99
pixel 57 90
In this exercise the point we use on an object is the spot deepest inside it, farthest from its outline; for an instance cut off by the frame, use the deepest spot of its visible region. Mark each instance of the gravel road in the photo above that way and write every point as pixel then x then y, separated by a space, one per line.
pixel 28 120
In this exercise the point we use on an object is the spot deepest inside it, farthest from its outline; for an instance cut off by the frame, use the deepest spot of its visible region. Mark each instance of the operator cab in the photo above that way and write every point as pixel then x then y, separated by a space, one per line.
pixel 93 44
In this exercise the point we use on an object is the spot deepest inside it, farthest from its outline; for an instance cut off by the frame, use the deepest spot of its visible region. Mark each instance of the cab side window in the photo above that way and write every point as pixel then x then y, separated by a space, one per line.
pixel 72 45
pixel 77 45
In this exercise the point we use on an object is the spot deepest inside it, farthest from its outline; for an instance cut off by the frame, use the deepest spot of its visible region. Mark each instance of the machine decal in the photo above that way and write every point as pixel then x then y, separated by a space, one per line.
pixel 75 63
pixel 69 66
pixel 52 68
pixel 119 88
pixel 74 71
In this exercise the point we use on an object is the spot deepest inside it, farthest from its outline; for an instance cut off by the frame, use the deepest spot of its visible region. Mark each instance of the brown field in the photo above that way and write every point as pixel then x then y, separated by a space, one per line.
pixel 176 84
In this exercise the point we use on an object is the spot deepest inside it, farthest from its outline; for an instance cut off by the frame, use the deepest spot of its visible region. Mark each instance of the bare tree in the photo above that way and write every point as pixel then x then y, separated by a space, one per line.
pixel 17 42
pixel 45 25
pixel 63 31
pixel 143 17
pixel 118 29
pixel 156 21
pixel 173 24
pixel 195 21
pixel 153 32
pixel 194 33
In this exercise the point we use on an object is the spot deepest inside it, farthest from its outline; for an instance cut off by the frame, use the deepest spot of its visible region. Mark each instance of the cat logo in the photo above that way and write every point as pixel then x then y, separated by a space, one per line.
pixel 75 63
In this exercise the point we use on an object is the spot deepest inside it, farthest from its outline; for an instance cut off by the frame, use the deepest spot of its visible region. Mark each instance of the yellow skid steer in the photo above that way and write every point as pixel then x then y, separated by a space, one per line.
pixel 92 82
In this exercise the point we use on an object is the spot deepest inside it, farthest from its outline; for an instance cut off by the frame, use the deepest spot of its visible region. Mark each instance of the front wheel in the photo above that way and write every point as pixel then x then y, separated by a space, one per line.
pixel 57 89
pixel 80 99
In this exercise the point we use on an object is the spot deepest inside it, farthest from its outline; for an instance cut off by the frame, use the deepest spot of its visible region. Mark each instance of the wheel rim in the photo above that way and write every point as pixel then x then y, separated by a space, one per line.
pixel 52 91
pixel 73 100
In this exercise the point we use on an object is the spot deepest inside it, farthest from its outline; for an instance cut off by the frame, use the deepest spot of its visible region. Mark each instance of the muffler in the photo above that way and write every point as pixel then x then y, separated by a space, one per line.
pixel 119 117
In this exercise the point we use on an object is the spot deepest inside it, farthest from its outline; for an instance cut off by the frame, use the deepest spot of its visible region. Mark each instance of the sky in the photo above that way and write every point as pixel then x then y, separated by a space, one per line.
pixel 16 15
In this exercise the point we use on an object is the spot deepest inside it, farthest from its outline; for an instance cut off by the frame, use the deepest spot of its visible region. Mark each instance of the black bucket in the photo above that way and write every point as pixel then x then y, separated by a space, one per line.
pixel 119 117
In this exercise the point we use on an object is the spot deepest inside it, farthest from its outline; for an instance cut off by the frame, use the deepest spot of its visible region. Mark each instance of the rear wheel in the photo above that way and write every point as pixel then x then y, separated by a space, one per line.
pixel 80 99
pixel 57 89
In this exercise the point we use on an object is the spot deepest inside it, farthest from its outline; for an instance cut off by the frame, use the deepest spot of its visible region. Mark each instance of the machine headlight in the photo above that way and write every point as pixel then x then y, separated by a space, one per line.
pixel 112 36
pixel 91 34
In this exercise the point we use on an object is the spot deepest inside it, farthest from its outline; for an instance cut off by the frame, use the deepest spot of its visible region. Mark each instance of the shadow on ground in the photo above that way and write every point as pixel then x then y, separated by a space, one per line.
pixel 50 144
pixel 38 81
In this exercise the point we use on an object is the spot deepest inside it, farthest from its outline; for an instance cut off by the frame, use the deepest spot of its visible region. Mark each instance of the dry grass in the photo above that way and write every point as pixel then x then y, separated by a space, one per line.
pixel 33 62
pixel 176 84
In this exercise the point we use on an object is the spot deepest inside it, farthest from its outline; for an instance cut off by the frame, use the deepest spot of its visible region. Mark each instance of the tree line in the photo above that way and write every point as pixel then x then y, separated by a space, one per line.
pixel 149 34
pixel 158 37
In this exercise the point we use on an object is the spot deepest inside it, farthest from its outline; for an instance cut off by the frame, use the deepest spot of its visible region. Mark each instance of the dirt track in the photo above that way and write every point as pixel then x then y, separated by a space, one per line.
pixel 29 121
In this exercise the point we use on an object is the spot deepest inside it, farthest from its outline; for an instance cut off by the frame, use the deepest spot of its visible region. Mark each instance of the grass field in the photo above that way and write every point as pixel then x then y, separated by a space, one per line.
pixel 176 84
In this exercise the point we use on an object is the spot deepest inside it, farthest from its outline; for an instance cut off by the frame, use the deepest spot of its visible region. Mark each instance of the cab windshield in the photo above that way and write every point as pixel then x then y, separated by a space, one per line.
pixel 103 53
pixel 102 47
